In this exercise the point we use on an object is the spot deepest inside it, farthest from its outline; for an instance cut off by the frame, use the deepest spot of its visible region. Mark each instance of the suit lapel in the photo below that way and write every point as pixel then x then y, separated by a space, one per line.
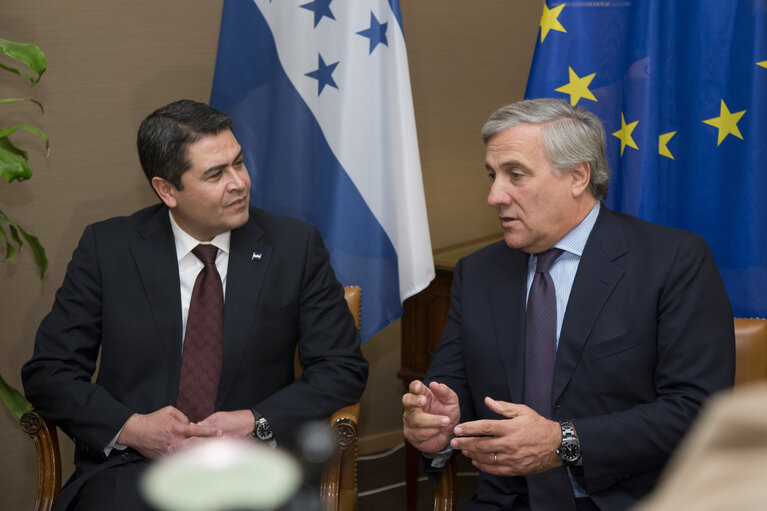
pixel 508 299
pixel 249 260
pixel 155 254
pixel 595 280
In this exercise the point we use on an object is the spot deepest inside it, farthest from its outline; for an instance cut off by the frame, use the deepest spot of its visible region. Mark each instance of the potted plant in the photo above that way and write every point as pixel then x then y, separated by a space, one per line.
pixel 14 166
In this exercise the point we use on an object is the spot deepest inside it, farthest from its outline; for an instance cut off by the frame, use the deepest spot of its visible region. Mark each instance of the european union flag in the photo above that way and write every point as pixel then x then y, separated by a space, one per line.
pixel 319 91
pixel 681 87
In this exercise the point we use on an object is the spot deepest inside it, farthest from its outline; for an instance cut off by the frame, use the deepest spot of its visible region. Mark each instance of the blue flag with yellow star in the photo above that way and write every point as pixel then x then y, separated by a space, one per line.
pixel 681 88
pixel 319 91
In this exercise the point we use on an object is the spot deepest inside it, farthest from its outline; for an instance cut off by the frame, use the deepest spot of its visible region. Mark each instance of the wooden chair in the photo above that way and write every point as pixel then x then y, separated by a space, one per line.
pixel 750 350
pixel 339 477
pixel 750 366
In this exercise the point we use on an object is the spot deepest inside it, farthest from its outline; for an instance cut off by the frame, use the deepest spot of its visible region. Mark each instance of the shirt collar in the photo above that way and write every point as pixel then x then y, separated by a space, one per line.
pixel 575 240
pixel 185 243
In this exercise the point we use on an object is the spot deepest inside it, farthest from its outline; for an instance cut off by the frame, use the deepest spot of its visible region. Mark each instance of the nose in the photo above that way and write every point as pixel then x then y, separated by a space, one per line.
pixel 497 196
pixel 239 180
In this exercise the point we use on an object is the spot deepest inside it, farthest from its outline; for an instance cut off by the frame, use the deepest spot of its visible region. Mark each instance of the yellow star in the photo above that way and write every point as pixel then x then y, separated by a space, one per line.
pixel 662 141
pixel 578 87
pixel 549 20
pixel 624 134
pixel 726 122
pixel 762 63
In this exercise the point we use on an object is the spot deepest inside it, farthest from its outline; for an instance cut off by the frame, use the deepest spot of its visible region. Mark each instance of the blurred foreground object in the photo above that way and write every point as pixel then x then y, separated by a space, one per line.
pixel 720 464
pixel 222 475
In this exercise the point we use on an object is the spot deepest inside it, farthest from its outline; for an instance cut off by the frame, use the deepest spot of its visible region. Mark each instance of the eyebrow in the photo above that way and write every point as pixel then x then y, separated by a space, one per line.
pixel 510 164
pixel 216 168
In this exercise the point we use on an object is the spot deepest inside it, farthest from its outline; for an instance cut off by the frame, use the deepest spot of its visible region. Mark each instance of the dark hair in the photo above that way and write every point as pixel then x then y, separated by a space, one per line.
pixel 571 135
pixel 165 134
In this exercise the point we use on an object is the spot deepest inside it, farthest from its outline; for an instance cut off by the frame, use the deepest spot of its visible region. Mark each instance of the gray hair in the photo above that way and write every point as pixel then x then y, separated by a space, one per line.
pixel 571 135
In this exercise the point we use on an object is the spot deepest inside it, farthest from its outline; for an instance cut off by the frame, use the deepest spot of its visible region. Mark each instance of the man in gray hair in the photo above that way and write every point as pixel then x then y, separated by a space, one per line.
pixel 579 349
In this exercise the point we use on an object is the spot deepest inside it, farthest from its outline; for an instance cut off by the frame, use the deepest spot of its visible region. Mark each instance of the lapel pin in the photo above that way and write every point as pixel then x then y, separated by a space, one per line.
pixel 256 256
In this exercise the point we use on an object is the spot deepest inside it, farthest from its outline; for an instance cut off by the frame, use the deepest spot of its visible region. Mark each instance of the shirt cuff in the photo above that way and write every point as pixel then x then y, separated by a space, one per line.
pixel 439 459
pixel 114 445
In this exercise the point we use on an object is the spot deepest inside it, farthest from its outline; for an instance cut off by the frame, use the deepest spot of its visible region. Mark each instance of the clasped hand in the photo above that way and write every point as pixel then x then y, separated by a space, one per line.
pixel 168 429
pixel 523 443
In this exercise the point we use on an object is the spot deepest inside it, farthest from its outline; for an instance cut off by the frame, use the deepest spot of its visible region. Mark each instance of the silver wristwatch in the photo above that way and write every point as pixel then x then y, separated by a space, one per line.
pixel 569 450
pixel 262 431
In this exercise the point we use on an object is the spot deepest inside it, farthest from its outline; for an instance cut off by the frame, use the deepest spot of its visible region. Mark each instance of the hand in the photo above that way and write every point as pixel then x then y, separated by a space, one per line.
pixel 158 433
pixel 523 444
pixel 430 415
pixel 237 424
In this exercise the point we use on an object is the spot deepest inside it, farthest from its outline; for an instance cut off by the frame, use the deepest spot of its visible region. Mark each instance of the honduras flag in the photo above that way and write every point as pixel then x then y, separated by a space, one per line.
pixel 320 96
pixel 682 90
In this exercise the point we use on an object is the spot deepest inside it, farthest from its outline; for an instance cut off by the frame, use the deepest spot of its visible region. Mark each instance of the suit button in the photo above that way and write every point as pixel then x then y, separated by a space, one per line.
pixel 125 455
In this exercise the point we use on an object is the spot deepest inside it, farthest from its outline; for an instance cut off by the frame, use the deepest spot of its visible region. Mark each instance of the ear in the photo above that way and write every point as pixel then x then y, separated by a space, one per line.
pixel 166 191
pixel 580 176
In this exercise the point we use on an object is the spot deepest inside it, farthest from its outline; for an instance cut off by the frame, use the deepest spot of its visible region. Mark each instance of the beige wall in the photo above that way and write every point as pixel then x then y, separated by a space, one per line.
pixel 111 63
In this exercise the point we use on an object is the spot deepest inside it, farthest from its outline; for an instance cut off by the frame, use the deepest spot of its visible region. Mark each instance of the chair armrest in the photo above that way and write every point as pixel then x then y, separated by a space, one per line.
pixel 344 424
pixel 339 475
pixel 444 493
pixel 46 440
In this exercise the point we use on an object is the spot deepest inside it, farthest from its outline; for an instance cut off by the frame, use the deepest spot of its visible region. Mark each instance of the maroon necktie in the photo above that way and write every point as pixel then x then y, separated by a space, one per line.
pixel 204 340
pixel 549 490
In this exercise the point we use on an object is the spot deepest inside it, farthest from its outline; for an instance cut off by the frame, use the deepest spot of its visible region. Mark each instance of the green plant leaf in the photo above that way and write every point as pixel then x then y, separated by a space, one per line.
pixel 38 252
pixel 6 132
pixel 10 250
pixel 16 403
pixel 10 101
pixel 15 235
pixel 29 54
pixel 14 163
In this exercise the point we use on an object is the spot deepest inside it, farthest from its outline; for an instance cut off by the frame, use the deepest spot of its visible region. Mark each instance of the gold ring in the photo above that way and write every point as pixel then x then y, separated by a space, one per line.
pixel 495 458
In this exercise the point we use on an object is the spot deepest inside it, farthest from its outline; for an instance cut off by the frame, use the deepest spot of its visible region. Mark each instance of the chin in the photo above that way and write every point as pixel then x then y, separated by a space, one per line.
pixel 517 244
pixel 511 240
pixel 240 220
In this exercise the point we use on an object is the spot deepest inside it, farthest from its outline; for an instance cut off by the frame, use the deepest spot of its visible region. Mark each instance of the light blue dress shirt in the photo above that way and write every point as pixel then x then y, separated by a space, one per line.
pixel 564 268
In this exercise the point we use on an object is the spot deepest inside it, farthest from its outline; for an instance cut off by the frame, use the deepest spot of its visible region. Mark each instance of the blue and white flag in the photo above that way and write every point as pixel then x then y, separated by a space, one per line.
pixel 320 96
pixel 682 90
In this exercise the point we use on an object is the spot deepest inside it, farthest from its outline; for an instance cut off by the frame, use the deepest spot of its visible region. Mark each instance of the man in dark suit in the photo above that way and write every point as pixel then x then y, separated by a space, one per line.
pixel 641 331
pixel 127 296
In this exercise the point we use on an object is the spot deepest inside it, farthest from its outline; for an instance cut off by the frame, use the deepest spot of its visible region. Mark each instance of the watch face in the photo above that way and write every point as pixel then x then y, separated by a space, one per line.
pixel 263 430
pixel 569 451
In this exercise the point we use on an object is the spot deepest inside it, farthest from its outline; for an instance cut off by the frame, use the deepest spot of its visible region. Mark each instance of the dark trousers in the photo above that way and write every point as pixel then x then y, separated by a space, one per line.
pixel 115 489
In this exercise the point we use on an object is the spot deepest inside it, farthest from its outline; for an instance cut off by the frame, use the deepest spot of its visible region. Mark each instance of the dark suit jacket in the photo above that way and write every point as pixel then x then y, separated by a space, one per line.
pixel 647 337
pixel 121 296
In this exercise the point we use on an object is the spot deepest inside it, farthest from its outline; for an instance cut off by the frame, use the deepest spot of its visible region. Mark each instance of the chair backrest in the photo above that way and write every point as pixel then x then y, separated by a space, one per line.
pixel 750 350
pixel 353 295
